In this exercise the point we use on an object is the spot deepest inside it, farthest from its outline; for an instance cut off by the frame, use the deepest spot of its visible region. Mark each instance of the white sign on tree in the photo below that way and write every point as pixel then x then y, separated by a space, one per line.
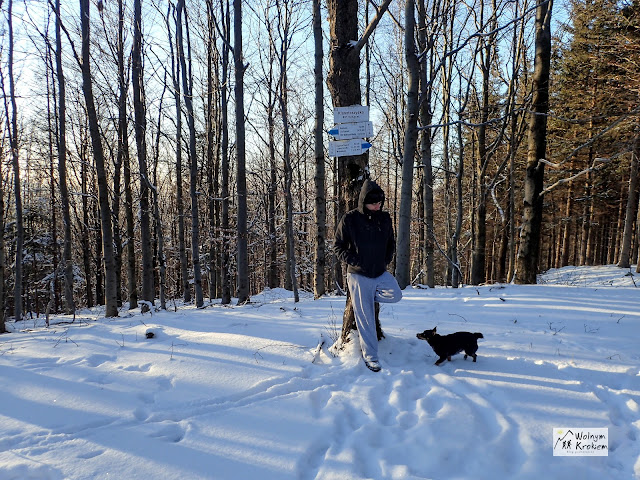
pixel 352 125
pixel 344 148
pixel 351 114
pixel 347 131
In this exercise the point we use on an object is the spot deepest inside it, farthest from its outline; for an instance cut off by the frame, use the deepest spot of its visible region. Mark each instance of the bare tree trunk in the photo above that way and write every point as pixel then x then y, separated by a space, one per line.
pixel 447 75
pixel 162 263
pixel 343 80
pixel 478 261
pixel 123 156
pixel 86 252
pixel 403 254
pixel 284 27
pixel 12 120
pixel 529 253
pixel 567 233
pixel 139 107
pixel 320 260
pixel 97 258
pixel 272 188
pixel 426 90
pixel 177 92
pixel 211 116
pixel 62 171
pixel 111 299
pixel 632 205
pixel 226 273
pixel 53 285
pixel 243 259
pixel 3 257
pixel 187 86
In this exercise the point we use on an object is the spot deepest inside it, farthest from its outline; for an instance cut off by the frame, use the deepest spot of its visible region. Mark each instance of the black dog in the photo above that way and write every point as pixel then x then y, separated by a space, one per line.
pixel 447 345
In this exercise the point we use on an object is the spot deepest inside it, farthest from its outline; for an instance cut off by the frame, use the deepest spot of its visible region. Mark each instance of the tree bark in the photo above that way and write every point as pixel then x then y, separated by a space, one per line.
pixel 529 253
pixel 631 210
pixel 162 263
pixel 403 254
pixel 111 308
pixel 15 160
pixel 243 257
pixel 319 177
pixel 284 21
pixel 426 90
pixel 177 92
pixel 62 171
pixel 343 81
pixel 187 87
pixel 226 273
pixel 139 107
pixel 211 123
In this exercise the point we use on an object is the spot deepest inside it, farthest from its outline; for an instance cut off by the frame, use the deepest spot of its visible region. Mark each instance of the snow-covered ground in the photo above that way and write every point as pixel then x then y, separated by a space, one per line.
pixel 244 392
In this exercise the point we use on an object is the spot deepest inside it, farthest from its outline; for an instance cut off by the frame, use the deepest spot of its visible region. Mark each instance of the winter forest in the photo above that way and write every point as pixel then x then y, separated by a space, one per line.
pixel 155 150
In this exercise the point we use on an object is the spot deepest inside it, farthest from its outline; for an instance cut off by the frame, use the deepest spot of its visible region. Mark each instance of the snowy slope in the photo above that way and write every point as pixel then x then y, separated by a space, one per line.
pixel 244 393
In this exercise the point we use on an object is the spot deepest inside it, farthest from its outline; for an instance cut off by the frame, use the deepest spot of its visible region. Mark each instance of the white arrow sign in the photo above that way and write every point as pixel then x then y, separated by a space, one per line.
pixel 354 113
pixel 346 131
pixel 344 148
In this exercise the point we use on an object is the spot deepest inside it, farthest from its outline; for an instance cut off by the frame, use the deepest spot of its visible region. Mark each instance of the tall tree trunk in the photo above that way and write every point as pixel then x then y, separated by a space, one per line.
pixel 86 251
pixel 182 249
pixel 162 263
pixel 456 273
pixel 319 177
pixel 529 253
pixel 272 189
pixel 211 116
pixel 447 75
pixel 111 299
pixel 224 106
pixel 187 86
pixel 426 90
pixel 343 80
pixel 241 176
pixel 53 284
pixel 15 160
pixel 62 171
pixel 632 205
pixel 284 21
pixel 478 260
pixel 123 157
pixel 3 257
pixel 403 255
pixel 97 258
pixel 139 107
pixel 567 233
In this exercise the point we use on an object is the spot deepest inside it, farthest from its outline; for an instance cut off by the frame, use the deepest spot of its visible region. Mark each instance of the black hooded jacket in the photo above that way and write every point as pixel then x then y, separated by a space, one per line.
pixel 364 239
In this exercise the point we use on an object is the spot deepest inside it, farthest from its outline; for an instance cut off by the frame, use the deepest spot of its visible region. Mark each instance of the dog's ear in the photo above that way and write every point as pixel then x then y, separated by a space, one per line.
pixel 434 329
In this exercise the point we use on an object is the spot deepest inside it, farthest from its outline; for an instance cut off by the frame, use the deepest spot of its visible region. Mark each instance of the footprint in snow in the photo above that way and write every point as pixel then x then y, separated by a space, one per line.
pixel 98 359
pixel 137 368
pixel 170 431
pixel 91 454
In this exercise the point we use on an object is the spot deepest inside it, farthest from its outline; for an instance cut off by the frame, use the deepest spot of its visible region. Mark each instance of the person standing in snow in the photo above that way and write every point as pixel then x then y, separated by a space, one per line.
pixel 366 243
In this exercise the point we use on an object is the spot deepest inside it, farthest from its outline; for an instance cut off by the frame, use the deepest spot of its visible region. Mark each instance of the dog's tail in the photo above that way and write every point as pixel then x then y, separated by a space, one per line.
pixel 478 335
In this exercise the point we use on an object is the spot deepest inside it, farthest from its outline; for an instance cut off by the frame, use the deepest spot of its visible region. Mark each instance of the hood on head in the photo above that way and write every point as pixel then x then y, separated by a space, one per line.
pixel 369 187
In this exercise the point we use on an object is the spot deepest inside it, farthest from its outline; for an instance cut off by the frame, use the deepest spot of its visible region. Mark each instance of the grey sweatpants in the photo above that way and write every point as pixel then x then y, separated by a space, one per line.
pixel 365 292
